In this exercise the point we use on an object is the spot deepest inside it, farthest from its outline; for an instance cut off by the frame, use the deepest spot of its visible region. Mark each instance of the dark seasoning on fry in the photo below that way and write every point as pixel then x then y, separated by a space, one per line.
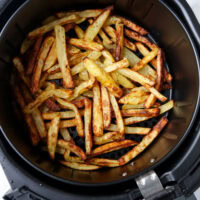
pixel 83 71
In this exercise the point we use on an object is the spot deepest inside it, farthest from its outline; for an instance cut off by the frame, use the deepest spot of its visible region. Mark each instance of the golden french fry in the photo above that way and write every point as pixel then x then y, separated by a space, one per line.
pixel 84 76
pixel 112 20
pixel 141 112
pixel 146 141
pixel 103 77
pixel 130 130
pixel 72 147
pixel 73 159
pixel 79 32
pixel 84 44
pixel 93 29
pixel 88 94
pixel 87 126
pixel 97 111
pixel 129 106
pixel 166 107
pixel 77 58
pixel 104 37
pixel 119 41
pixel 80 129
pixel 108 137
pixel 118 115
pixel 130 45
pixel 55 76
pixel 106 107
pixel 111 32
pixel 72 50
pixel 54 69
pixel 134 120
pixel 66 135
pixel 112 146
pixel 52 136
pixel 79 102
pixel 26 44
pixel 80 166
pixel 65 123
pixel 104 162
pixel 62 56
pixel 48 27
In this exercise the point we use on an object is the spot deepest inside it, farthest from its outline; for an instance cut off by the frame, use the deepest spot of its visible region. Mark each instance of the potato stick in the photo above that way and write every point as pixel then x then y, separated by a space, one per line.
pixel 146 141
pixel 108 137
pixel 36 115
pixel 55 76
pixel 112 20
pixel 52 136
pixel 84 76
pixel 51 58
pixel 166 107
pixel 77 58
pixel 20 69
pixel 73 159
pixel 111 32
pixel 66 135
pixel 104 78
pixel 103 162
pixel 79 102
pixel 112 146
pixel 62 57
pixel 65 123
pixel 79 32
pixel 134 120
pixel 150 56
pixel 118 115
pixel 135 76
pixel 88 94
pixel 138 106
pixel 52 105
pixel 84 13
pixel 80 129
pixel 130 130
pixel 130 45
pixel 48 27
pixel 133 26
pixel 104 37
pixel 33 133
pixel 42 55
pixel 87 126
pixel 80 166
pixel 54 69
pixel 141 112
pixel 119 41
pixel 97 111
pixel 72 147
pixel 106 107
pixel 84 44
pixel 72 50
pixel 26 44
pixel 62 93
pixel 117 65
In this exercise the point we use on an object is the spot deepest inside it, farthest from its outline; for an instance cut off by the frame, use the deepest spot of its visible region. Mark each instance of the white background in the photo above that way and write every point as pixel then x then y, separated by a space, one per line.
pixel 4 185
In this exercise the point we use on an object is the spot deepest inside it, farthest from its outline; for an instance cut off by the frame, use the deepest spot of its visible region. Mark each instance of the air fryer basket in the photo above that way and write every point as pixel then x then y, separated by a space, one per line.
pixel 171 36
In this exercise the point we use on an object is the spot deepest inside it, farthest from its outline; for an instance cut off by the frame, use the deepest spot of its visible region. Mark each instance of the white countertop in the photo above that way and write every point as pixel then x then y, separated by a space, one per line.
pixel 4 185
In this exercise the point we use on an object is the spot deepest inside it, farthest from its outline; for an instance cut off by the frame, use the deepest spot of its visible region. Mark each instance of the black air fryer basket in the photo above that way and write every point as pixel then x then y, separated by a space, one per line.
pixel 168 169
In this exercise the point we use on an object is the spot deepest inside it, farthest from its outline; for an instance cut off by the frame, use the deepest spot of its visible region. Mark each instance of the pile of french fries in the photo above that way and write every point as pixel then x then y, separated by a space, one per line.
pixel 81 69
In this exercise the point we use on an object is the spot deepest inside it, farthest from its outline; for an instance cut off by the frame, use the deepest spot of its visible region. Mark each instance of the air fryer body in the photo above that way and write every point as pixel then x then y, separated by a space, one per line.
pixel 182 61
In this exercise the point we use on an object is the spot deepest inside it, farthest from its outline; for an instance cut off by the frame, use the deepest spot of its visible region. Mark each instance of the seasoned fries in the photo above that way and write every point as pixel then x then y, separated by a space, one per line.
pixel 99 74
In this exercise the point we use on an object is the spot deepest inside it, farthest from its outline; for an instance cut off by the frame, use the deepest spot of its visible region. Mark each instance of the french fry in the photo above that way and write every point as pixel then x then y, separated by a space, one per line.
pixel 106 107
pixel 54 69
pixel 55 76
pixel 48 27
pixel 65 123
pixel 77 58
pixel 130 45
pixel 134 120
pixel 46 45
pixel 84 44
pixel 73 159
pixel 79 32
pixel 112 146
pixel 130 130
pixel 104 78
pixel 138 106
pixel 146 141
pixel 52 136
pixel 87 126
pixel 103 162
pixel 166 107
pixel 49 20
pixel 26 44
pixel 141 112
pixel 62 93
pixel 66 135
pixel 88 94
pixel 72 147
pixel 33 133
pixel 80 129
pixel 93 29
pixel 108 137
pixel 104 37
pixel 68 27
pixel 80 166
pixel 97 111
pixel 118 115
pixel 51 58
pixel 112 20
pixel 84 76
pixel 119 41
pixel 79 102
pixel 117 65
pixel 72 50
pixel 20 69
pixel 62 57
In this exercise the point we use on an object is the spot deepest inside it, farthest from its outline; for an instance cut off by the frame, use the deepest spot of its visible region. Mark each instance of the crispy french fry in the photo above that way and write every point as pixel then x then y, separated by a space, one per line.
pixel 112 146
pixel 79 32
pixel 97 111
pixel 77 58
pixel 104 78
pixel 106 107
pixel 73 159
pixel 72 147
pixel 52 136
pixel 103 162
pixel 87 126
pixel 84 76
pixel 51 58
pixel 55 76
pixel 48 27
pixel 79 102
pixel 111 32
pixel 130 45
pixel 80 166
pixel 46 45
pixel 26 44
pixel 134 120
pixel 62 57
pixel 88 94
pixel 141 112
pixel 72 50
pixel 66 135
pixel 93 29
pixel 104 37
pixel 166 107
pixel 112 20
pixel 146 141
pixel 108 137
pixel 80 129
pixel 118 115
pixel 130 130
pixel 65 123
pixel 138 106
pixel 54 69
pixel 84 44
pixel 119 41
